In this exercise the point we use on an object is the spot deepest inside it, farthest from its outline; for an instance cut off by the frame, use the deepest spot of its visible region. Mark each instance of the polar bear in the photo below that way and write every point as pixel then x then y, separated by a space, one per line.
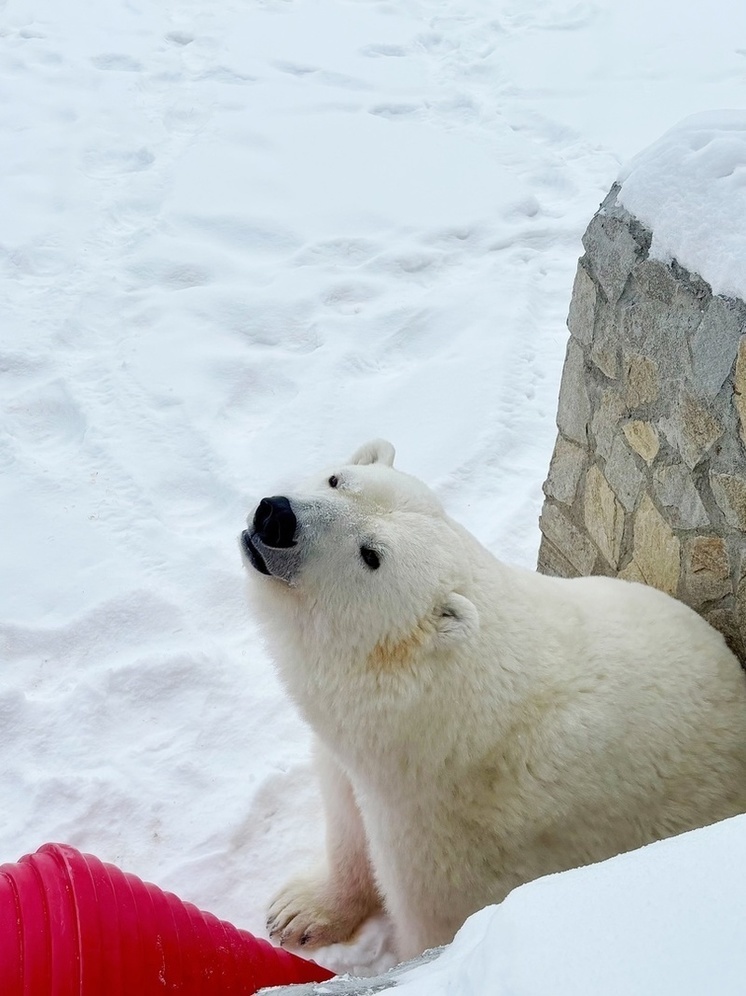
pixel 478 725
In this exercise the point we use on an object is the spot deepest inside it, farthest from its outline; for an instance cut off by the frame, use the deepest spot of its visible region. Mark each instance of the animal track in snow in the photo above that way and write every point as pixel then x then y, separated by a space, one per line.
pixel 47 416
pixel 350 298
pixel 395 110
pixel 179 37
pixel 390 51
pixel 169 274
pixel 103 162
pixel 117 63
pixel 349 252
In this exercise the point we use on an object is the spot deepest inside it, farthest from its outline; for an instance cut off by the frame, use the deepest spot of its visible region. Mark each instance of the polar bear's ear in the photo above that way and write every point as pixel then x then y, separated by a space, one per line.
pixel 456 619
pixel 376 451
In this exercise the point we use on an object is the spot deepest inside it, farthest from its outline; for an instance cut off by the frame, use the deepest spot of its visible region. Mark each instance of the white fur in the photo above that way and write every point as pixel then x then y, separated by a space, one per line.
pixel 481 725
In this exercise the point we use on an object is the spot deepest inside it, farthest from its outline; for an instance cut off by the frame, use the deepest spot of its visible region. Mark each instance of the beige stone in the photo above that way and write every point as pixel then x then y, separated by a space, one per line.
pixel 632 573
pixel 656 551
pixel 565 537
pixel 605 358
pixel 604 516
pixel 643 438
pixel 730 494
pixel 553 563
pixel 706 568
pixel 643 383
pixel 739 387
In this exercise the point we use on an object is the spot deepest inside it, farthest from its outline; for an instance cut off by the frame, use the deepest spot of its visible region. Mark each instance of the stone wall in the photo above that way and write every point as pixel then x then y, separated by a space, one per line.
pixel 648 476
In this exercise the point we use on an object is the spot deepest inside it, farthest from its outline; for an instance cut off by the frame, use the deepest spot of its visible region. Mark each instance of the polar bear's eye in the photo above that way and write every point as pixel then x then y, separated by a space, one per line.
pixel 333 481
pixel 371 558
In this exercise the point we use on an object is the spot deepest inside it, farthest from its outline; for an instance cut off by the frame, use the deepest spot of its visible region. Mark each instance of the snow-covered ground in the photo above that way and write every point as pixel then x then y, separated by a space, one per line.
pixel 237 239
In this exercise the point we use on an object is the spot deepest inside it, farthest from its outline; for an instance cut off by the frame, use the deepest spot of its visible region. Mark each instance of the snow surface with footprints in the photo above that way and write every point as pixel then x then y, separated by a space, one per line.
pixel 236 241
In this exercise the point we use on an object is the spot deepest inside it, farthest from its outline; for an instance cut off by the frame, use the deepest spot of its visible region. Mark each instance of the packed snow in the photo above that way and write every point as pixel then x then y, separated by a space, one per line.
pixel 236 241
pixel 689 189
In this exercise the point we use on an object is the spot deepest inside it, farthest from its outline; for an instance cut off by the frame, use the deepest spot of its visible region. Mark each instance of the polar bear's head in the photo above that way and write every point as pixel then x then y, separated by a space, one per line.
pixel 367 549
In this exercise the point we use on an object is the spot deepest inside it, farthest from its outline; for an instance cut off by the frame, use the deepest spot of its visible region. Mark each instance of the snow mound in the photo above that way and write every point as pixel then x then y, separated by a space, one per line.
pixel 665 919
pixel 689 189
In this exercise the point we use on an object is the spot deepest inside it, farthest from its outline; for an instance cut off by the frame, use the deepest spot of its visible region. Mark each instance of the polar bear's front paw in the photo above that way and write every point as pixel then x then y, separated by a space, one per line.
pixel 306 914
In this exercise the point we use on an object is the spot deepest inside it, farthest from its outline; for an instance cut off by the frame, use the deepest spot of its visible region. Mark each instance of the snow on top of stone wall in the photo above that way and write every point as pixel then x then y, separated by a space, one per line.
pixel 689 189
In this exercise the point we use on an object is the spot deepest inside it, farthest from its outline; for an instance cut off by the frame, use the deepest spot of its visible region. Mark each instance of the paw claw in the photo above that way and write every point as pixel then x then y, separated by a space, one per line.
pixel 306 914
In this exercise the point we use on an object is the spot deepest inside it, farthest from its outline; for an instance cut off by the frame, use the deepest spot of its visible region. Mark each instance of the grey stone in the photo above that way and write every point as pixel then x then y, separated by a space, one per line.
pixel 715 343
pixel 574 410
pixel 605 355
pixel 570 541
pixel 691 429
pixel 623 474
pixel 674 491
pixel 730 494
pixel 612 249
pixel 568 462
pixel 605 422
pixel 659 316
pixel 582 313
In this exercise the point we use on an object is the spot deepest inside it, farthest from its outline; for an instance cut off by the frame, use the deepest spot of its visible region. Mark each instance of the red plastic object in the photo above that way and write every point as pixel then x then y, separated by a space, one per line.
pixel 71 925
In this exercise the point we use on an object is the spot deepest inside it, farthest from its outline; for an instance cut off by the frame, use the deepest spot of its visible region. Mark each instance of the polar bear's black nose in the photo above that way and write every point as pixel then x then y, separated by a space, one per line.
pixel 275 522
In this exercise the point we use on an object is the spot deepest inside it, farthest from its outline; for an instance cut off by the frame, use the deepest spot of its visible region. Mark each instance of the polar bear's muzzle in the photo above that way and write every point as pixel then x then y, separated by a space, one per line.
pixel 270 543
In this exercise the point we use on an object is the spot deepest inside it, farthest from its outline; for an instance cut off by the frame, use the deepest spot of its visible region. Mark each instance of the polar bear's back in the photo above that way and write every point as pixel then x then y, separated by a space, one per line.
pixel 638 719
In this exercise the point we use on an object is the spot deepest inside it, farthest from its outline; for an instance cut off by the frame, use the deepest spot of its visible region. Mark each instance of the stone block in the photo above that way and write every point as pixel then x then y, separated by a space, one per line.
pixel 641 380
pixel 623 474
pixel 656 550
pixel 566 538
pixel 604 516
pixel 632 573
pixel 605 356
pixel 730 494
pixel 656 282
pixel 691 429
pixel 740 614
pixel 582 314
pixel 715 343
pixel 553 563
pixel 574 408
pixel 659 315
pixel 643 438
pixel 612 250
pixel 706 569
pixel 565 469
pixel 739 388
pixel 674 491
pixel 604 426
